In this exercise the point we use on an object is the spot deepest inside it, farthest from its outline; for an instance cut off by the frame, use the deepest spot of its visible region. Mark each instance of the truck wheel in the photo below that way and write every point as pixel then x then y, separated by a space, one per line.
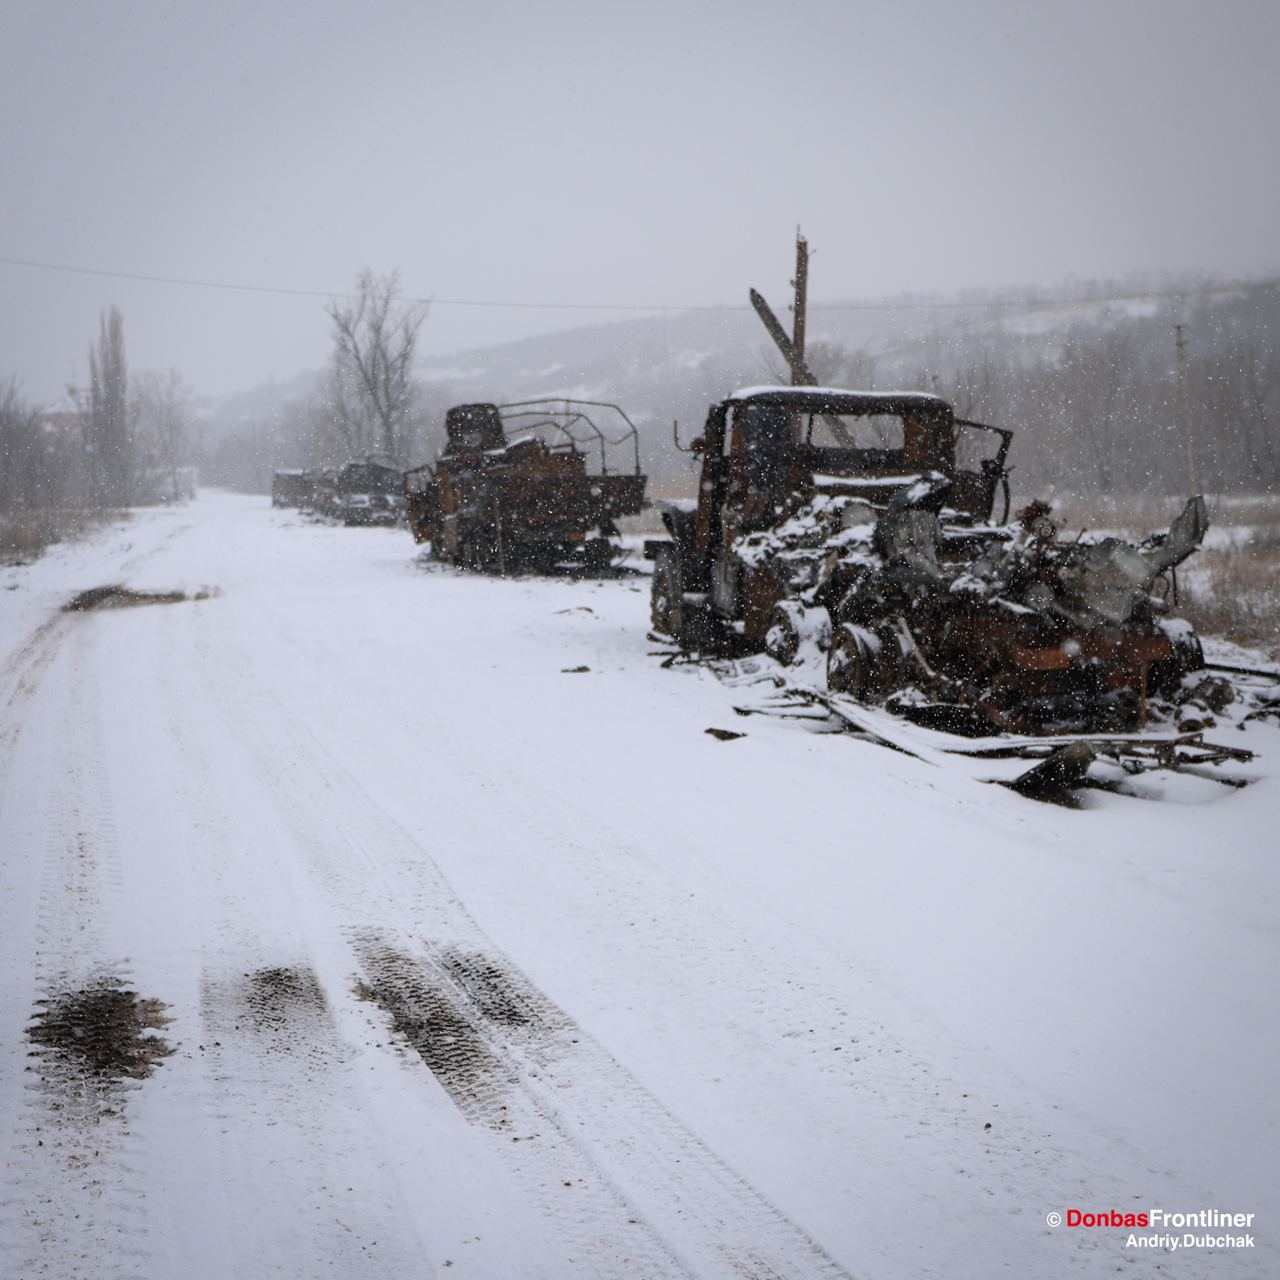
pixel 478 549
pixel 852 660
pixel 1166 676
pixel 597 555
pixel 793 626
pixel 667 598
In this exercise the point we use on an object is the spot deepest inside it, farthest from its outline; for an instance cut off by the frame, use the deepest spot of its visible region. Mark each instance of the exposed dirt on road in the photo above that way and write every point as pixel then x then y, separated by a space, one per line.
pixel 118 597
pixel 279 998
pixel 98 1033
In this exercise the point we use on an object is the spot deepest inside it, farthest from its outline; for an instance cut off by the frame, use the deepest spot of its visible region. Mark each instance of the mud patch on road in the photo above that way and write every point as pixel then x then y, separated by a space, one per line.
pixel 431 1017
pixel 276 1019
pixel 284 1004
pixel 277 995
pixel 97 1037
pixel 118 597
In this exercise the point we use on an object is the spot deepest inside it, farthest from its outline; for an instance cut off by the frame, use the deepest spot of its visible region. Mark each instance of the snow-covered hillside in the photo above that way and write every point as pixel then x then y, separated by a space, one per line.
pixel 1086 384
pixel 474 954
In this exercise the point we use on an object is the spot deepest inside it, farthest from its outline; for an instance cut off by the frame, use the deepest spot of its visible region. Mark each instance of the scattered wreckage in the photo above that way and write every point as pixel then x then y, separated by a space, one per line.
pixel 527 486
pixel 849 535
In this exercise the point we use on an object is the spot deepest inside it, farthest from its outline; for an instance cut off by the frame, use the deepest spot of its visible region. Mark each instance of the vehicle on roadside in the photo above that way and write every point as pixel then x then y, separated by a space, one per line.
pixel 527 486
pixel 293 488
pixel 362 492
pixel 851 531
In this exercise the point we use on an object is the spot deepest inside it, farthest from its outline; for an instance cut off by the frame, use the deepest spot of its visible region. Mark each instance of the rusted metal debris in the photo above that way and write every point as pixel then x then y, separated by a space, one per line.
pixel 849 534
pixel 529 485
pixel 1060 763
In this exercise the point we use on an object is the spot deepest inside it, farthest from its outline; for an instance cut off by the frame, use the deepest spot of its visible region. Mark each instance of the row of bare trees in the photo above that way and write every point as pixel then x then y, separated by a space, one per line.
pixel 112 444
pixel 1096 403
pixel 119 442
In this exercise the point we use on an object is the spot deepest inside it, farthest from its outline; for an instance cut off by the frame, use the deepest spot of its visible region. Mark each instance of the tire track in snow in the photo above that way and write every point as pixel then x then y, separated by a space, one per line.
pixel 600 1132
pixel 267 1095
pixel 921 1104
pixel 20 678
pixel 22 671
pixel 22 682
pixel 30 658
pixel 585 1216
pixel 589 1217
pixel 130 563
pixel 911 1088
pixel 273 1064
pixel 866 1061
pixel 75 1194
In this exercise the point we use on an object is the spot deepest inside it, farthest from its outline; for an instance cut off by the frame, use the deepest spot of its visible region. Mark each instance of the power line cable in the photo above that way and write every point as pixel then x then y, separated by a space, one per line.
pixel 1150 295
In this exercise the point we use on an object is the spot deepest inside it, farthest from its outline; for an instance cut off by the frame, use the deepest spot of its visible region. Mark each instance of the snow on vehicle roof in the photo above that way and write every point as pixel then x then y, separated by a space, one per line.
pixel 864 482
pixel 868 399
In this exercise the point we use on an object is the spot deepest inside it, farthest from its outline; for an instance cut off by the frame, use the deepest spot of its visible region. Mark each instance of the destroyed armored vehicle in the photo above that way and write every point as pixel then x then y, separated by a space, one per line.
pixel 362 492
pixel 527 486
pixel 850 533
pixel 292 488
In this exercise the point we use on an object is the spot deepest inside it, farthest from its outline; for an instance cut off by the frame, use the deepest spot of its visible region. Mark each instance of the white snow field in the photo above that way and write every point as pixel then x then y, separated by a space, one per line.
pixel 475 955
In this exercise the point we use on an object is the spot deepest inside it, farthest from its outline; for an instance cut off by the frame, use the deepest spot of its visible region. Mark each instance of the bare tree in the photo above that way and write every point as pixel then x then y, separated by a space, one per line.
pixel 19 441
pixel 340 414
pixel 161 411
pixel 108 439
pixel 375 336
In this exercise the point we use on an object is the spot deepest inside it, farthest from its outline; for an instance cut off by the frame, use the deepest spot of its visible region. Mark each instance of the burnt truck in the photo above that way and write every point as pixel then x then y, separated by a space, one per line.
pixel 527 486
pixel 363 492
pixel 292 488
pixel 851 533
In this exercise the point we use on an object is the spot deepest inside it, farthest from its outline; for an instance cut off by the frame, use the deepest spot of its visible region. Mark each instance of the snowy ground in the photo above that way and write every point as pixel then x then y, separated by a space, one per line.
pixel 478 956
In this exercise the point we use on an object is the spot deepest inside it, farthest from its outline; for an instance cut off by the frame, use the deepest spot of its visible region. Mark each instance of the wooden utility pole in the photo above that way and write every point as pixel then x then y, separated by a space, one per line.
pixel 801 283
pixel 792 348
pixel 1184 408
pixel 801 376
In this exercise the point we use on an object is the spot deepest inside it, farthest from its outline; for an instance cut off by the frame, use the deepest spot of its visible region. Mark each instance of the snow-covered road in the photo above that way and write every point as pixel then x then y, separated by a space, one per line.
pixel 476 955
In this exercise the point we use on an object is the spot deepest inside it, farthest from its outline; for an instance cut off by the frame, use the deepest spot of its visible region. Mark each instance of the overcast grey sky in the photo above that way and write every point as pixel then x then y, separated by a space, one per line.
pixel 556 151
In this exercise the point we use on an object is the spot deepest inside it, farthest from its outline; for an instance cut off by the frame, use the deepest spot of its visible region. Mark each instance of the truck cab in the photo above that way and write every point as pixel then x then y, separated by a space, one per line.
pixel 767 451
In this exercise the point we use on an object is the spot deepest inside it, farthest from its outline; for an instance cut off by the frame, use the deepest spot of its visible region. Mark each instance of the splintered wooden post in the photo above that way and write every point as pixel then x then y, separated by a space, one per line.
pixel 1184 411
pixel 801 283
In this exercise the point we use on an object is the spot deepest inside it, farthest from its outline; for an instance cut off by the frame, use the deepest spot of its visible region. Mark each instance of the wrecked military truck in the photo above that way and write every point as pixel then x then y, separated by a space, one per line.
pixel 851 533
pixel 527 486
pixel 292 488
pixel 362 492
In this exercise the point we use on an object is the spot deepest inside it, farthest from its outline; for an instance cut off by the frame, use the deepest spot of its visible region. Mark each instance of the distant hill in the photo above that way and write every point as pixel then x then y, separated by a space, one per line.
pixel 1084 368
pixel 661 368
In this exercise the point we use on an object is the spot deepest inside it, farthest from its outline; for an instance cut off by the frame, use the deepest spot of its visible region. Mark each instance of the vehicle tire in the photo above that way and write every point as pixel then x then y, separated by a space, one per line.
pixel 852 660
pixel 666 601
pixel 478 549
pixel 597 555
pixel 793 626
pixel 1165 678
